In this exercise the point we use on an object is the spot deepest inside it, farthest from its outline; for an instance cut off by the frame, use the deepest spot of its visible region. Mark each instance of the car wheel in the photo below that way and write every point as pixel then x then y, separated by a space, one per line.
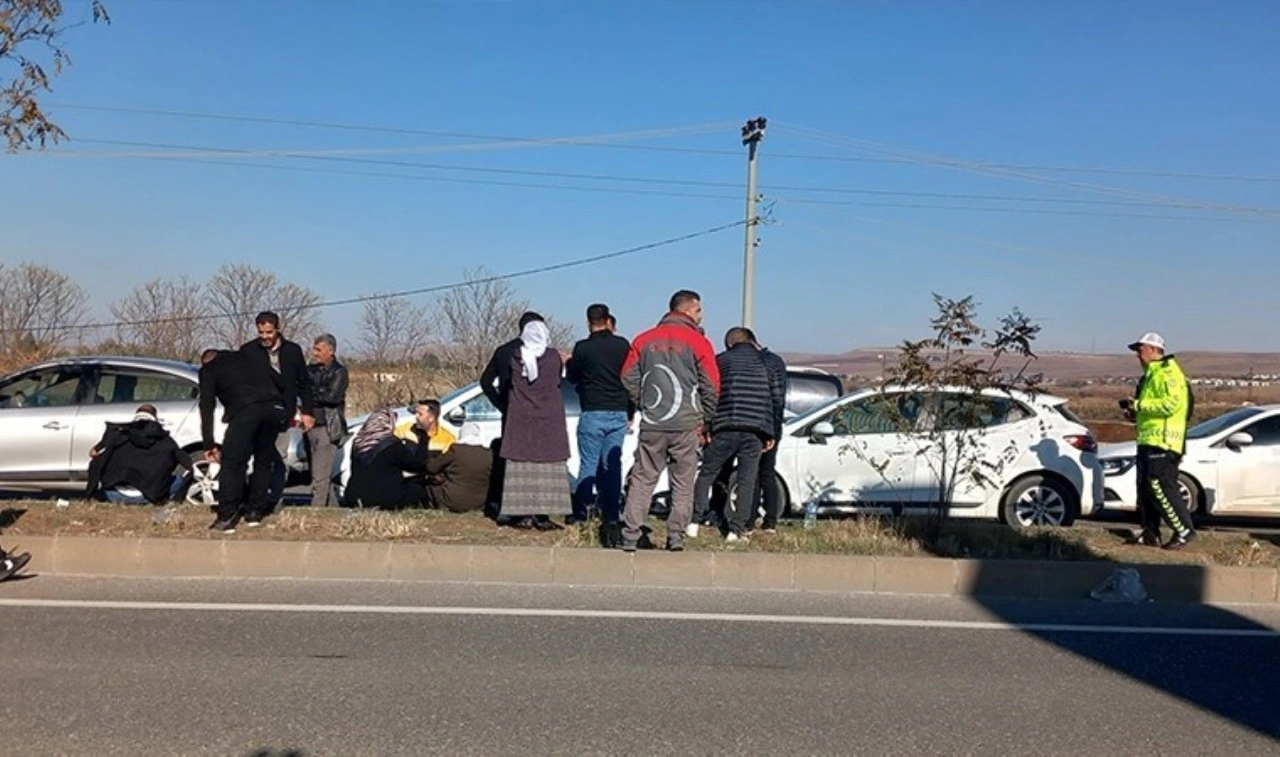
pixel 729 494
pixel 201 487
pixel 1190 492
pixel 1039 501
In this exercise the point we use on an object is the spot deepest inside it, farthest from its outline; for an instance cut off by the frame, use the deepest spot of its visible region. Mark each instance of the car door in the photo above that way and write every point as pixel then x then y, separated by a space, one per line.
pixel 38 411
pixel 977 438
pixel 871 458
pixel 1249 476
pixel 116 394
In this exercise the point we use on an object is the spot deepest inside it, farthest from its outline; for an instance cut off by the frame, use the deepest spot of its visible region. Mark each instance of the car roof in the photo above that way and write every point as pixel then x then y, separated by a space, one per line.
pixel 144 363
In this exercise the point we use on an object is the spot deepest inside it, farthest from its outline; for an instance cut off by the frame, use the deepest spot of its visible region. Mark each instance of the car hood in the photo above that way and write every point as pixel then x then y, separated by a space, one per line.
pixel 1117 449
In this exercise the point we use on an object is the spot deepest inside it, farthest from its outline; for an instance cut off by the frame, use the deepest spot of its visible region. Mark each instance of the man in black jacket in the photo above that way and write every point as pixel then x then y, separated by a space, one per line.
pixel 329 382
pixel 744 426
pixel 290 367
pixel 254 410
pixel 767 483
pixel 596 371
pixel 139 454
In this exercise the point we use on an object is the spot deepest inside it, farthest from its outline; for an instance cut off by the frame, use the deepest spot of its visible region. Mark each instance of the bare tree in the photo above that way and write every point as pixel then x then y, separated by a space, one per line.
pixel 162 319
pixel 40 311
pixel 394 332
pixel 31 31
pixel 237 292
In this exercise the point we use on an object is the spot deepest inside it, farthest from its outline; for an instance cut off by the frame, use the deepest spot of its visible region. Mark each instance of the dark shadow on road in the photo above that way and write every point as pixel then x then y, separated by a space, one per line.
pixel 1234 677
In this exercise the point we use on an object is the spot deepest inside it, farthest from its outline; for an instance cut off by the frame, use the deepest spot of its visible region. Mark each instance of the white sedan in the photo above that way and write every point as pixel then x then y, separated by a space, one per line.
pixel 1231 467
pixel 855 454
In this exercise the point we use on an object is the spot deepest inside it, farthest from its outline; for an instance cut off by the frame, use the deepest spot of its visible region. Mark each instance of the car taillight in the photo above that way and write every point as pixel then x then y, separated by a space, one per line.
pixel 1082 442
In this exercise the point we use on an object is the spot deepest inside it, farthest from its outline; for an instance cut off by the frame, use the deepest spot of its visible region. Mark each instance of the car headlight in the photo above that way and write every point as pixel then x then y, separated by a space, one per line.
pixel 1117 466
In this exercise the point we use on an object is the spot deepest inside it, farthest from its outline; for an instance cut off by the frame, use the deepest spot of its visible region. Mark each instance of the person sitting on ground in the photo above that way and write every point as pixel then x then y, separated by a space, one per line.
pixel 138 455
pixel 458 480
pixel 11 563
pixel 379 462
pixel 424 429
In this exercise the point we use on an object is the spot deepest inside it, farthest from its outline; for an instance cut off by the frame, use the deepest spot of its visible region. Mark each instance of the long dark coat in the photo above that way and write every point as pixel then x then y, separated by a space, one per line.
pixel 535 425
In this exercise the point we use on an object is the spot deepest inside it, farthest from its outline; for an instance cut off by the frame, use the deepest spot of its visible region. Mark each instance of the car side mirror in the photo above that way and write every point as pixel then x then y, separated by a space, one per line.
pixel 457 416
pixel 1239 439
pixel 820 431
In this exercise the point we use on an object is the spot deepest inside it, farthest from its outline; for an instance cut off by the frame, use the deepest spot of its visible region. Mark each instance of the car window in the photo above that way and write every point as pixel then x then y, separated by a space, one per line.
pixel 877 414
pixel 957 412
pixel 1221 423
pixel 1266 432
pixel 132 387
pixel 805 392
pixel 480 409
pixel 50 387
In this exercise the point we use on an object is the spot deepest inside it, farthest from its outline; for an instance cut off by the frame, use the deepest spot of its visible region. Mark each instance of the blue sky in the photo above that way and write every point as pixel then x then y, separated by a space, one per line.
pixel 856 93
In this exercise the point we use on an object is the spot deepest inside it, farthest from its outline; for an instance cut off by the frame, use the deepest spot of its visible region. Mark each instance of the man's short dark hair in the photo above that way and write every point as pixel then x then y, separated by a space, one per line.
pixel 431 404
pixel 682 298
pixel 267 316
pixel 529 317
pixel 598 315
pixel 737 335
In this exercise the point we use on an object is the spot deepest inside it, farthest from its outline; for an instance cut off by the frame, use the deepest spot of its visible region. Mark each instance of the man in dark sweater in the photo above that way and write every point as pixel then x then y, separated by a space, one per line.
pixel 596 371
pixel 253 405
pixel 744 427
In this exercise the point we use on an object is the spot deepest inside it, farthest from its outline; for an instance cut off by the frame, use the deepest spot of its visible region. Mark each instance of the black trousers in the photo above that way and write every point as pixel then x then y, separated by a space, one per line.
pixel 725 446
pixel 251 434
pixel 767 487
pixel 1158 495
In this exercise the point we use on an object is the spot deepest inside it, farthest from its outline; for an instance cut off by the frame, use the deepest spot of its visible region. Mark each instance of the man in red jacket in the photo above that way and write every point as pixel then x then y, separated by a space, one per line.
pixel 671 375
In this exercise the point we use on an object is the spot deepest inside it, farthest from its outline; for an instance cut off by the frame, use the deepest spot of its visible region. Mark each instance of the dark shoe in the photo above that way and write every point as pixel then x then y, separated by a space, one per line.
pixel 524 524
pixel 12 563
pixel 224 526
pixel 1144 539
pixel 630 545
pixel 675 544
pixel 546 524
pixel 253 521
pixel 1180 540
pixel 611 535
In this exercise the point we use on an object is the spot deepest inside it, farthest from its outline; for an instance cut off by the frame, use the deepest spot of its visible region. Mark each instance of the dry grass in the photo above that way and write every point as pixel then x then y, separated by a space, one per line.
pixel 850 536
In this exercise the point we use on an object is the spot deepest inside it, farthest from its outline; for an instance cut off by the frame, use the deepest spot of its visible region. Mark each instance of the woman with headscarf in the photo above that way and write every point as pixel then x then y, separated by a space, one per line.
pixel 379 462
pixel 458 479
pixel 535 442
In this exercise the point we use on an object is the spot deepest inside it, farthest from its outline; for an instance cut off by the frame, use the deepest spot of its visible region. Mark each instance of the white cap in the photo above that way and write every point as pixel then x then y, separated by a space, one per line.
pixel 1151 339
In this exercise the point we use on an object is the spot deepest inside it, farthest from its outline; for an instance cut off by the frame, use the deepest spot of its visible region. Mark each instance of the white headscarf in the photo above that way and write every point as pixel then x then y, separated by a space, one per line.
pixel 534 341
pixel 471 434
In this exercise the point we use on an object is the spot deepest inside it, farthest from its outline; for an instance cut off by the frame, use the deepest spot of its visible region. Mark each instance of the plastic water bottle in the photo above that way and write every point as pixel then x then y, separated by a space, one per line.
pixel 811 515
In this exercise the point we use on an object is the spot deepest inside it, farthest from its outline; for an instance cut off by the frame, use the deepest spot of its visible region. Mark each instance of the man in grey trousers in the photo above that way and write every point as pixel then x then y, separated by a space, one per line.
pixel 671 376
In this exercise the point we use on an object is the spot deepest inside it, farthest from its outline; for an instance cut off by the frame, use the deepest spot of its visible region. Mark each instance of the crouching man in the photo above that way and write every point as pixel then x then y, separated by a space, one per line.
pixel 138 455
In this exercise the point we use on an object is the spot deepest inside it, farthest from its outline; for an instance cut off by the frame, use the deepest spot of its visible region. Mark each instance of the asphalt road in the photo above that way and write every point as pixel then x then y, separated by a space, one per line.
pixel 110 666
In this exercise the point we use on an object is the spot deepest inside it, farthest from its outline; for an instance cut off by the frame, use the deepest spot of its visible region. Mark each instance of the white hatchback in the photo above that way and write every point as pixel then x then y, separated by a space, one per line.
pixel 1231 467
pixel 848 456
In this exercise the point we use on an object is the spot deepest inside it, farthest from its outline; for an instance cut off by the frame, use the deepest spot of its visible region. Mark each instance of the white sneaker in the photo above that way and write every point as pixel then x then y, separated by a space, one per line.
pixel 731 537
pixel 691 530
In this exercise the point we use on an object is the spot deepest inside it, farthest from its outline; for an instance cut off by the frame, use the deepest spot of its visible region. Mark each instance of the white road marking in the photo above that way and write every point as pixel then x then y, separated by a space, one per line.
pixel 694 617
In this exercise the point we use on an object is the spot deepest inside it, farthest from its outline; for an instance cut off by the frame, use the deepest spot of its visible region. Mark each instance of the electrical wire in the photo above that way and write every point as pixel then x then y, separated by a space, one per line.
pixel 403 292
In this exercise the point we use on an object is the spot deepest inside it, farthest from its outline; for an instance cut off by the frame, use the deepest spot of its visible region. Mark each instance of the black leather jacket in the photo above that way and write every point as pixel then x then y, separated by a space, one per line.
pixel 329 391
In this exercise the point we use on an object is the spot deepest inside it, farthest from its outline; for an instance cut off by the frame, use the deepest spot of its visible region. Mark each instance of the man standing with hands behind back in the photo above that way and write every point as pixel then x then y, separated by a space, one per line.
pixel 1160 410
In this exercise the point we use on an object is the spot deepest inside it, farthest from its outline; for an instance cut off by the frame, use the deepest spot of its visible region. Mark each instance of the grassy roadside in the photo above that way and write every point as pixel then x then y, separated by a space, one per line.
pixel 860 536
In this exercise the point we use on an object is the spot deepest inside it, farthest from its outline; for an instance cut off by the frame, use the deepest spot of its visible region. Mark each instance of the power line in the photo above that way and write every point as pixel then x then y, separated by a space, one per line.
pixel 1122 171
pixel 404 292
pixel 197 150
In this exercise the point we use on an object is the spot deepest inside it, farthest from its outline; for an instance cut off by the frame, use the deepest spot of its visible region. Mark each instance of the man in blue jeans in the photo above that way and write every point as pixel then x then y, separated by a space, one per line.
pixel 595 370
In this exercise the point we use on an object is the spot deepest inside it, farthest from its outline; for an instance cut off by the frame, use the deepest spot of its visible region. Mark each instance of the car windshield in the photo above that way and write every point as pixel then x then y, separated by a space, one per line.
pixel 456 393
pixel 1217 425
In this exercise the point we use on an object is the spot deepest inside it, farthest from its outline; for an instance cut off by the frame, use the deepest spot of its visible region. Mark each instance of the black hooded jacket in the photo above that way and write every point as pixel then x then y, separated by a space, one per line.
pixel 140 454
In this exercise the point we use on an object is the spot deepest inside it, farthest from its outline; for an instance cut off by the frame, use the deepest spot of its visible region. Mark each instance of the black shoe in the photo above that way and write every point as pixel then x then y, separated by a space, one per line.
pixel 1180 540
pixel 11 564
pixel 227 526
pixel 1144 539
pixel 545 524
pixel 253 521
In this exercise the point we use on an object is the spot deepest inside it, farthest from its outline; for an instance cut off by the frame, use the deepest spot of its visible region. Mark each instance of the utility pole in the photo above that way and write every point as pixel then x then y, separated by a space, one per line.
pixel 752 133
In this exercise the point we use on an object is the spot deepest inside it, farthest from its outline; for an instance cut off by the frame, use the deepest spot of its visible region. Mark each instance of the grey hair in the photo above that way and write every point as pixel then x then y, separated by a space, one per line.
pixel 328 339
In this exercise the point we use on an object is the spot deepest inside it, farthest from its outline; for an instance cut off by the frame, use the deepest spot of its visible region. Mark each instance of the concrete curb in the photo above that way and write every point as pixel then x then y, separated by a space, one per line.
pixel 233 558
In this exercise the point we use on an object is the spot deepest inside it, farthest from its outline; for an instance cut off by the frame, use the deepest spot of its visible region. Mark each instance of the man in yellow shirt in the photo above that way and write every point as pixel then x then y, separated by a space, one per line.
pixel 425 428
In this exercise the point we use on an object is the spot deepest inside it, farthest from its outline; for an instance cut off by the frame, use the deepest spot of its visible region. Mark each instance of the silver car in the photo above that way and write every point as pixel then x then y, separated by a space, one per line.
pixel 53 413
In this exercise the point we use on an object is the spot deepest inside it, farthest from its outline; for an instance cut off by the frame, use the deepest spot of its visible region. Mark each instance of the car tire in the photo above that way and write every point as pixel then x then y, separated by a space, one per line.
pixel 1038 500
pixel 730 488
pixel 1193 495
pixel 200 487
